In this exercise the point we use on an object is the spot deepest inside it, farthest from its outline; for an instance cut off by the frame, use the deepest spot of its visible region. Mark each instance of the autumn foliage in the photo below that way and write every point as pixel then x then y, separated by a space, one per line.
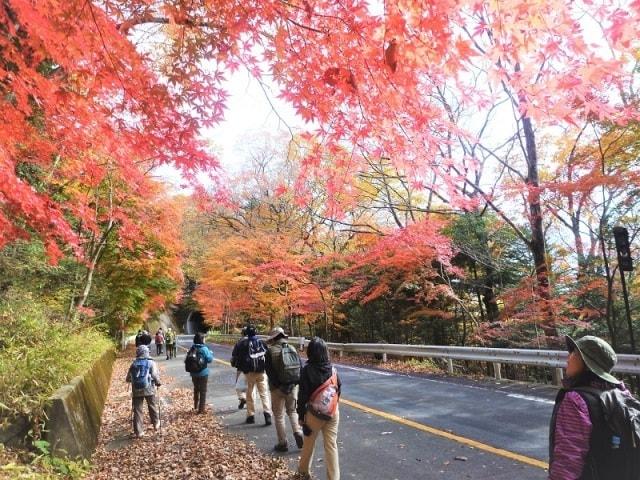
pixel 417 112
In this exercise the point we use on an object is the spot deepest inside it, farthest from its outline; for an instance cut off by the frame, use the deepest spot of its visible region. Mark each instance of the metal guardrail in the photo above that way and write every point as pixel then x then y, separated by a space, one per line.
pixel 556 359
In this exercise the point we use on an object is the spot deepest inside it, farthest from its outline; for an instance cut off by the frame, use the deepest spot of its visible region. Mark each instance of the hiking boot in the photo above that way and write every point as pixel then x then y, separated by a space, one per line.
pixel 299 439
pixel 267 419
pixel 281 447
pixel 250 419
pixel 241 404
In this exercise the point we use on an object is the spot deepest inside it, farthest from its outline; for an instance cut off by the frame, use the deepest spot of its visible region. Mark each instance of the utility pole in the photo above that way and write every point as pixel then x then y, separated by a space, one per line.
pixel 625 264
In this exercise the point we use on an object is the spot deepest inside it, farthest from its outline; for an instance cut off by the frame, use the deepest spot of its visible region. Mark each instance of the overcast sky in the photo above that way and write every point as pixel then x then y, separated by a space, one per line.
pixel 249 113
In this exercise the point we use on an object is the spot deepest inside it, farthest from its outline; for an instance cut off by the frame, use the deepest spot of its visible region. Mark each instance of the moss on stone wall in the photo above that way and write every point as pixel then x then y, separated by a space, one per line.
pixel 74 411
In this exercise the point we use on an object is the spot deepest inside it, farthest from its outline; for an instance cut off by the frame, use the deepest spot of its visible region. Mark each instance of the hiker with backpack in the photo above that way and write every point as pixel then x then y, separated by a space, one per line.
pixel 318 411
pixel 159 341
pixel 283 366
pixel 144 377
pixel 249 356
pixel 195 362
pixel 595 425
pixel 170 343
pixel 143 338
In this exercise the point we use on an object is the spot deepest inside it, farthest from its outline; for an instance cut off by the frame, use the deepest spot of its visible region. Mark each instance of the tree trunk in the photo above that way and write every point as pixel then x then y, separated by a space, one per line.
pixel 537 243
pixel 96 253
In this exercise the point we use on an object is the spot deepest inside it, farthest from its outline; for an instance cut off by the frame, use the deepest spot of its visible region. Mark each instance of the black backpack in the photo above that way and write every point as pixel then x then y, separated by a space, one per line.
pixel 615 442
pixel 256 360
pixel 195 361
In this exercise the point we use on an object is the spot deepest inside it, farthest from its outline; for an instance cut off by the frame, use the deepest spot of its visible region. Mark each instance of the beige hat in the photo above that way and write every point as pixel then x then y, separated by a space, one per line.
pixel 276 333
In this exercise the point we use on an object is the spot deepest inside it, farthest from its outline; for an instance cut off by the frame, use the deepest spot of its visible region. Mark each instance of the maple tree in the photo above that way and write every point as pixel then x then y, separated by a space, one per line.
pixel 427 109
pixel 593 191
pixel 80 103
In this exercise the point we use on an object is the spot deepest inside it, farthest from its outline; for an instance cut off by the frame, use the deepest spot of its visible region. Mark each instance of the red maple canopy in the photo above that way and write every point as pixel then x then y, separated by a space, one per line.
pixel 124 85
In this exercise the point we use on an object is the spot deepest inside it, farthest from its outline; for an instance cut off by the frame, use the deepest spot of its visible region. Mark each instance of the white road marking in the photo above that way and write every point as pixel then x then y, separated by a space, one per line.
pixel 359 369
pixel 530 398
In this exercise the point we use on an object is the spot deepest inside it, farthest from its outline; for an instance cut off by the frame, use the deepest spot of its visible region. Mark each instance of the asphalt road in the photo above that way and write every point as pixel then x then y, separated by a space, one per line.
pixel 394 426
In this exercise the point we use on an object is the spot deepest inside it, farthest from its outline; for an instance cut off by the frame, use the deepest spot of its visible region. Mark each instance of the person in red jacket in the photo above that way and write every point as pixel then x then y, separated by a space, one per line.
pixel 159 341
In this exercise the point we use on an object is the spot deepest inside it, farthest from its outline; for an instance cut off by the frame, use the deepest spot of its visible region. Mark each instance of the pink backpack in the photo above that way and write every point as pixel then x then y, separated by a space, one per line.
pixel 324 400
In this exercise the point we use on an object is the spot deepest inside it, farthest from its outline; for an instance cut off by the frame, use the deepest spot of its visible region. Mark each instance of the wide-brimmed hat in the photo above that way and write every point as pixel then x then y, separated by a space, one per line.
pixel 276 333
pixel 597 355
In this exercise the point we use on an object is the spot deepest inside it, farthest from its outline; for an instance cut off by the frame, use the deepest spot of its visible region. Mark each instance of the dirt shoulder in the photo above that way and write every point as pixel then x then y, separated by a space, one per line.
pixel 188 445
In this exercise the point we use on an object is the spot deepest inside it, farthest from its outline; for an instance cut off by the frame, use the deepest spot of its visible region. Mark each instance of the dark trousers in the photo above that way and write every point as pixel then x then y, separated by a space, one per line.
pixel 138 414
pixel 171 350
pixel 158 349
pixel 199 392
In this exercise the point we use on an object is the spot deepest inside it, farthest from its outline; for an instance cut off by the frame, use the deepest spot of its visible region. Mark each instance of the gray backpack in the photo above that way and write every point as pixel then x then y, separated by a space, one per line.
pixel 286 364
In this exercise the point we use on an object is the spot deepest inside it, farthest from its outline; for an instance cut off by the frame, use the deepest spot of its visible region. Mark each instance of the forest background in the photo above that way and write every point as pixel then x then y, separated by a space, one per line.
pixel 461 171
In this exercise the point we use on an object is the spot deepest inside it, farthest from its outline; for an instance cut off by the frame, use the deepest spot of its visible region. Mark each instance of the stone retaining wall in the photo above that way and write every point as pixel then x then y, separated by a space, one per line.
pixel 74 411
pixel 13 434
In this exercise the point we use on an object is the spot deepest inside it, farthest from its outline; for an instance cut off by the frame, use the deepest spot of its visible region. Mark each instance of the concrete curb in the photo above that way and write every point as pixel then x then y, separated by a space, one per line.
pixel 74 410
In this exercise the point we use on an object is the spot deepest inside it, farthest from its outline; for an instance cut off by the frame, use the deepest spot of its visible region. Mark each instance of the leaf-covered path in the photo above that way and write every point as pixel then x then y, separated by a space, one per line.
pixel 188 445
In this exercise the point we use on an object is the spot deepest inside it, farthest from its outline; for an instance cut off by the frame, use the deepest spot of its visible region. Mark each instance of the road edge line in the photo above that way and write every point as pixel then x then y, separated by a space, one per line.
pixel 449 436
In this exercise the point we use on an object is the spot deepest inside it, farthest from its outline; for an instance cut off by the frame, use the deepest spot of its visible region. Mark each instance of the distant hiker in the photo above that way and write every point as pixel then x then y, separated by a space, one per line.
pixel 318 408
pixel 595 425
pixel 196 361
pixel 283 366
pixel 143 338
pixel 249 356
pixel 144 377
pixel 159 341
pixel 170 342
pixel 241 379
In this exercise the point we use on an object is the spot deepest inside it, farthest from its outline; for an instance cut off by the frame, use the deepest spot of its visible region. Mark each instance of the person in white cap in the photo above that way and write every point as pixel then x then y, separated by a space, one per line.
pixel 283 368
pixel 144 377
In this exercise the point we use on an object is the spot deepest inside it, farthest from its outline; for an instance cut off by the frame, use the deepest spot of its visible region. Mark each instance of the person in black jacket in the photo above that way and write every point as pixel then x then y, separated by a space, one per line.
pixel 315 373
pixel 143 338
pixel 253 367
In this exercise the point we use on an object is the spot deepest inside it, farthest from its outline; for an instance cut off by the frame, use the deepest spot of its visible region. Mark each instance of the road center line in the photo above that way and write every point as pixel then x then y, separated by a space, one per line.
pixel 449 436
pixel 440 433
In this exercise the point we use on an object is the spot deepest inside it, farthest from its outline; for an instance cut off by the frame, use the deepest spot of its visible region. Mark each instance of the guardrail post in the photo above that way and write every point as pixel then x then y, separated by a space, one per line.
pixel 557 376
pixel 340 353
pixel 301 344
pixel 497 370
pixel 450 366
pixel 384 357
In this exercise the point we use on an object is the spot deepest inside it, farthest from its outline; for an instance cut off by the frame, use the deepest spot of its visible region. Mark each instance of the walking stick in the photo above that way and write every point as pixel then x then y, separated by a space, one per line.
pixel 159 409
pixel 133 427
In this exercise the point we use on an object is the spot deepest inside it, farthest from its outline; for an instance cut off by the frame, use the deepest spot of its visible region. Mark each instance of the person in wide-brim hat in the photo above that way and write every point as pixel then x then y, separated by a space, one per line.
pixel 276 333
pixel 597 355
pixel 573 452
